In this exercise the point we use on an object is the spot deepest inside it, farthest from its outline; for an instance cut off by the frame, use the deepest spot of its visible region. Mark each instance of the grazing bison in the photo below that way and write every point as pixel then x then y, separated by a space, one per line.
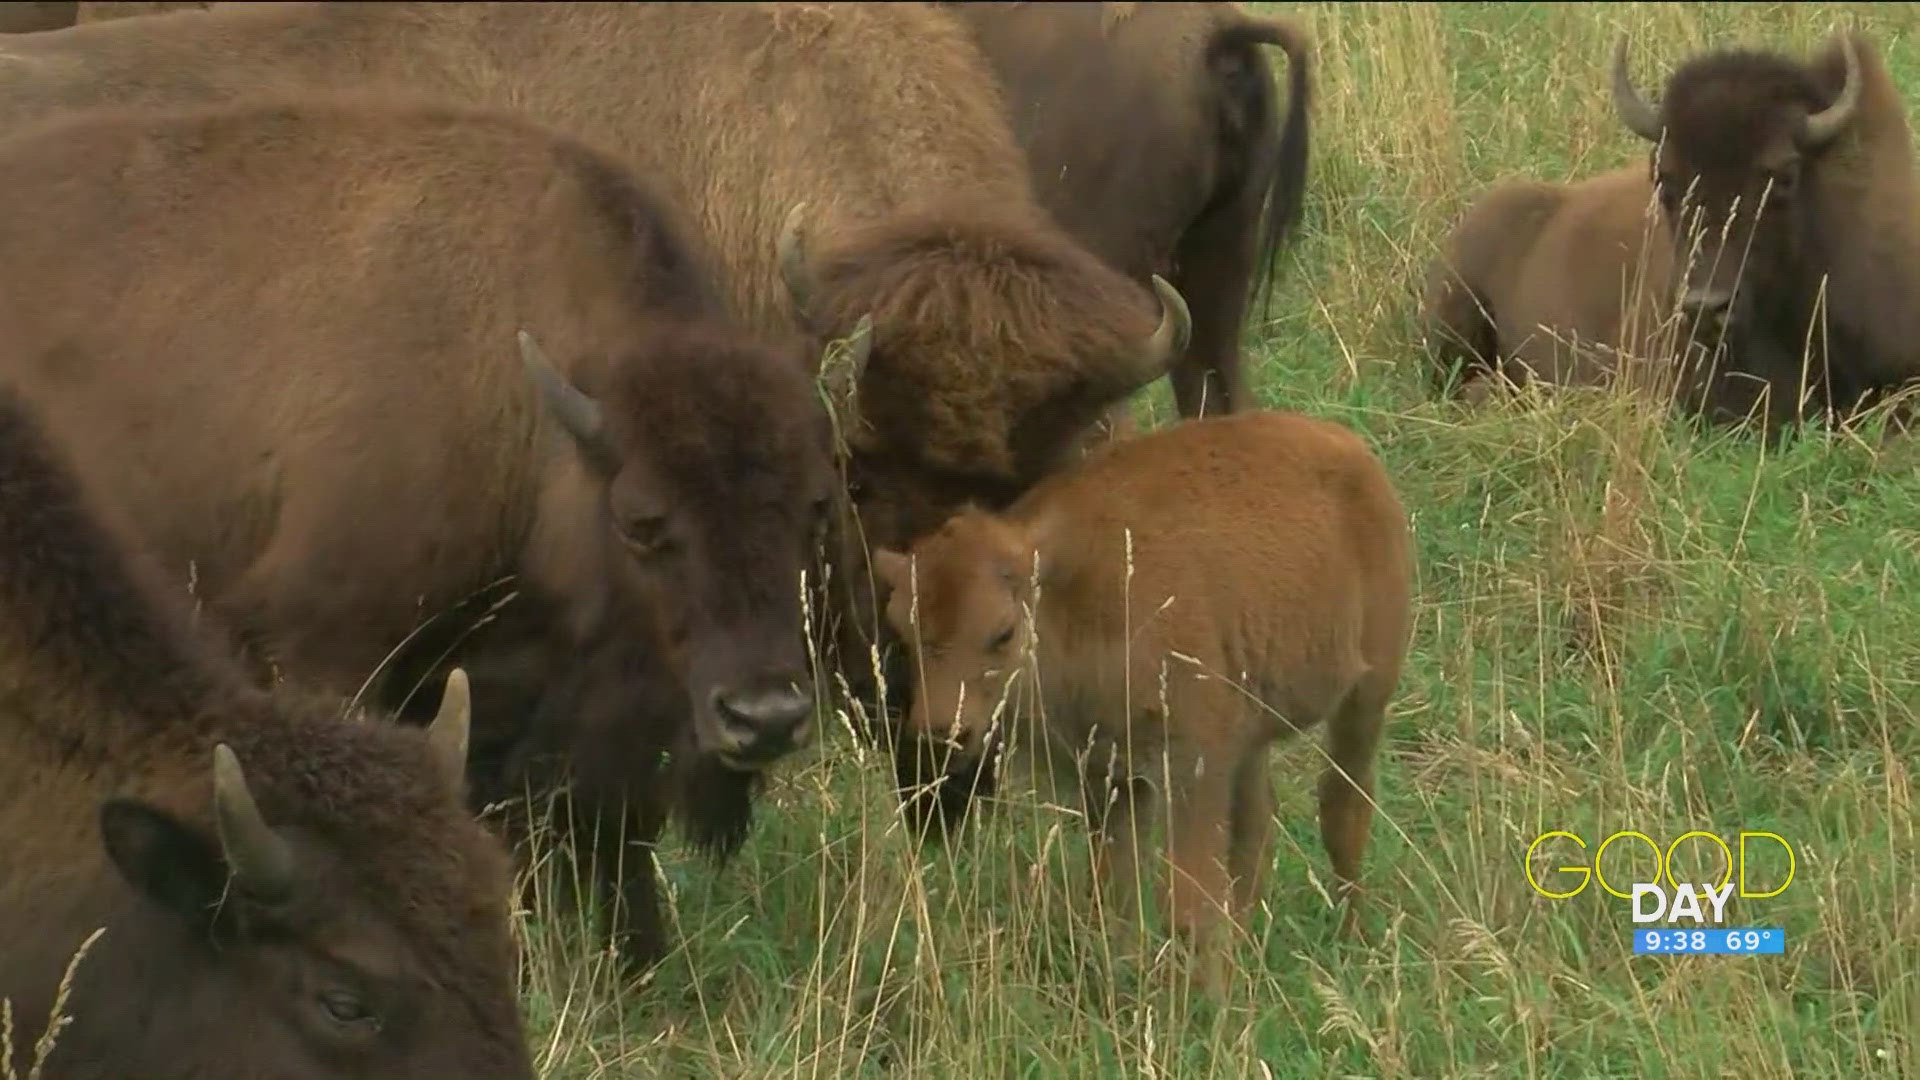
pixel 280 340
pixel 1163 614
pixel 835 184
pixel 1787 237
pixel 1153 136
pixel 279 891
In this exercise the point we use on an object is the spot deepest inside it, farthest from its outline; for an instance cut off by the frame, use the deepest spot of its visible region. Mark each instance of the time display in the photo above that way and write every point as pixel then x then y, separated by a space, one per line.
pixel 1723 941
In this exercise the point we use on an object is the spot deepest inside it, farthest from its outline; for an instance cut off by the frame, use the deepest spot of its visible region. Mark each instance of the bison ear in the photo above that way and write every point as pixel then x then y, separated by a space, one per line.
pixel 165 860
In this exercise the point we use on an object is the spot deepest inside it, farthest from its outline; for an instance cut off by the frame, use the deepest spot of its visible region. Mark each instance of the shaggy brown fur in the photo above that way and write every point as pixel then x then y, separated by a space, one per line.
pixel 279 339
pixel 1153 135
pixel 1202 593
pixel 391 955
pixel 1822 281
pixel 101 10
pixel 1808 303
pixel 28 16
pixel 857 111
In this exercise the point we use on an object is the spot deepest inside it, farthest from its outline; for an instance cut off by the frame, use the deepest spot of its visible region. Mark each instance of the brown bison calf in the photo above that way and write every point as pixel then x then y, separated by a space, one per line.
pixel 1167 611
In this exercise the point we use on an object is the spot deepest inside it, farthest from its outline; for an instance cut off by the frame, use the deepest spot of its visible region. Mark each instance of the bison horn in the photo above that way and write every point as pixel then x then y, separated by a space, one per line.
pixel 793 262
pixel 260 859
pixel 1639 117
pixel 1169 340
pixel 1820 128
pixel 577 412
pixel 447 735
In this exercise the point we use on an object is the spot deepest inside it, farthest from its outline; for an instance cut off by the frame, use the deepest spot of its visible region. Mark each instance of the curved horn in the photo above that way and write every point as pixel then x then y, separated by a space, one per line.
pixel 1820 128
pixel 1169 340
pixel 577 412
pixel 260 859
pixel 447 735
pixel 1639 117
pixel 793 261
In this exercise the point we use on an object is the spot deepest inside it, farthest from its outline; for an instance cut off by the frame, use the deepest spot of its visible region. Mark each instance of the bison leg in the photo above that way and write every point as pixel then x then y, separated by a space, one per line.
pixel 1462 341
pixel 1252 841
pixel 1213 269
pixel 624 874
pixel 1346 791
pixel 1199 821
pixel 1122 821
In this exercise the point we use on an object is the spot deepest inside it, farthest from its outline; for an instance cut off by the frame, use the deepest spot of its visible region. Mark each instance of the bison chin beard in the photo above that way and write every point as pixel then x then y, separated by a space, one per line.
pixel 715 805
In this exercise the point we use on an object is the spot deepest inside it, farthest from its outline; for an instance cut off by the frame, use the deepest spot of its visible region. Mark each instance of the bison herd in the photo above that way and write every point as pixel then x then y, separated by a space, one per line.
pixel 426 423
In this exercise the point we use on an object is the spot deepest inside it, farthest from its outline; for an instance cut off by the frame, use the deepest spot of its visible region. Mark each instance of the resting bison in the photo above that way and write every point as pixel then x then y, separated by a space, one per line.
pixel 281 892
pixel 1153 135
pixel 280 339
pixel 1171 609
pixel 1788 232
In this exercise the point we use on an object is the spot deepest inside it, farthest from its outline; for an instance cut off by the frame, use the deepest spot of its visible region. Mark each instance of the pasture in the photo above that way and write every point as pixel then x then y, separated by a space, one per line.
pixel 1621 624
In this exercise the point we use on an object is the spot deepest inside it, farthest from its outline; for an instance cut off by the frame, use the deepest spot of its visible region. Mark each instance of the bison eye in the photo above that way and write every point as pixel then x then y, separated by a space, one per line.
pixel 648 532
pixel 1001 640
pixel 348 1010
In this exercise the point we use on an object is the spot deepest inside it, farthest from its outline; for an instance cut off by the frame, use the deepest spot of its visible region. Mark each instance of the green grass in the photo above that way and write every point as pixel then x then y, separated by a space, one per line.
pixel 1621 625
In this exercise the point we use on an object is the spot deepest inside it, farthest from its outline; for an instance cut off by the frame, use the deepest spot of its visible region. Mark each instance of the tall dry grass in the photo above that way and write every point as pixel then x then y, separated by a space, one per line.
pixel 1623 624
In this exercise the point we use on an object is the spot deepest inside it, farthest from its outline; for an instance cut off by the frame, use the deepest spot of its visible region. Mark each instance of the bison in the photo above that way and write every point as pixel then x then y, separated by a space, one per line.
pixel 1154 620
pixel 1153 136
pixel 277 890
pixel 1794 187
pixel 1787 237
pixel 28 16
pixel 300 348
pixel 837 185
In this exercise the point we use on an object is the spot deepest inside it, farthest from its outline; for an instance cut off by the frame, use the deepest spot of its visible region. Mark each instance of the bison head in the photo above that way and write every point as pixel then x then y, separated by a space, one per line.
pixel 962 603
pixel 337 914
pixel 1739 138
pixel 708 476
pixel 990 349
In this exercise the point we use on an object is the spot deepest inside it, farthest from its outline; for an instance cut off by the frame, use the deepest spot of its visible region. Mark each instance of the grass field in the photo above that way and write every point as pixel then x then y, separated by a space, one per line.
pixel 1621 625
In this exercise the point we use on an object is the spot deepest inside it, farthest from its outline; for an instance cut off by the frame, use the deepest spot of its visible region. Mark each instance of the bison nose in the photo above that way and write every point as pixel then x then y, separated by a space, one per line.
pixel 762 722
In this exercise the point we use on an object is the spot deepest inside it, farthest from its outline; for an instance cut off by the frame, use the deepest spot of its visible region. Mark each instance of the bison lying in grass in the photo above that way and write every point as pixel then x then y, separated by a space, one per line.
pixel 1159 617
pixel 1760 263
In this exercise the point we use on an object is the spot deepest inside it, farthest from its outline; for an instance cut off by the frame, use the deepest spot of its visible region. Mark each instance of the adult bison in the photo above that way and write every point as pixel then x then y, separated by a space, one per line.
pixel 279 338
pixel 835 183
pixel 27 16
pixel 277 891
pixel 1153 135
pixel 1788 238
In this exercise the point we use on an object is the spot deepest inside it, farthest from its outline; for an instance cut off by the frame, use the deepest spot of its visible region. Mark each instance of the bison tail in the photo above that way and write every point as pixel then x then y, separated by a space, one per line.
pixel 1286 172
